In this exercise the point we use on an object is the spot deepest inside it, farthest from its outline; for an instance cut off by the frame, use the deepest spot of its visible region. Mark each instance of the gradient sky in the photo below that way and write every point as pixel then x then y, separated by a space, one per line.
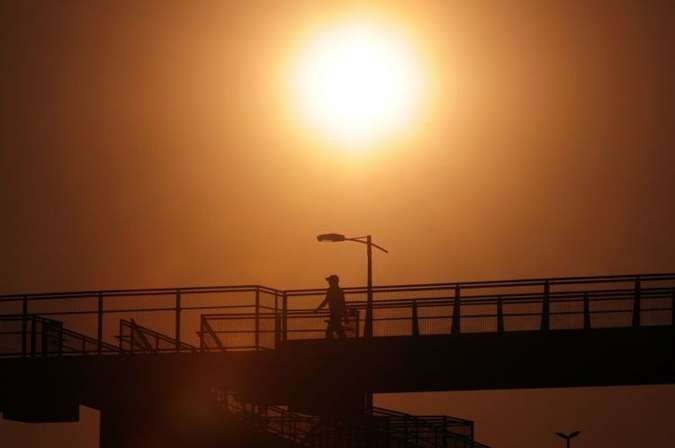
pixel 148 144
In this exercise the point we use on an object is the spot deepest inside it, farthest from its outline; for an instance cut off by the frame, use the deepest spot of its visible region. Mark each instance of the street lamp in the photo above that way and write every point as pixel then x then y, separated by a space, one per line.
pixel 367 240
pixel 568 437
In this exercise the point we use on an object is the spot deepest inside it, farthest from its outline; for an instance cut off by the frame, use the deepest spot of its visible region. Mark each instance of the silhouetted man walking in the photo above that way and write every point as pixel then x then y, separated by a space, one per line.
pixel 335 298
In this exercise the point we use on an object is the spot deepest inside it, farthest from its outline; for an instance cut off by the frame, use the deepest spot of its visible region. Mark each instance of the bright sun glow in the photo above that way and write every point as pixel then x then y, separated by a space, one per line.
pixel 357 83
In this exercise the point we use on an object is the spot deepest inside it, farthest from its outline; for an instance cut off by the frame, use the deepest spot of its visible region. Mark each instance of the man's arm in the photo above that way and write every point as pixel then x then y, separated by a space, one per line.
pixel 325 301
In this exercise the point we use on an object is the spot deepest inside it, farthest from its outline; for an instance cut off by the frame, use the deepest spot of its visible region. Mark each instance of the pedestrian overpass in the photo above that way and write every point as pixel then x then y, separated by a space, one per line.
pixel 249 365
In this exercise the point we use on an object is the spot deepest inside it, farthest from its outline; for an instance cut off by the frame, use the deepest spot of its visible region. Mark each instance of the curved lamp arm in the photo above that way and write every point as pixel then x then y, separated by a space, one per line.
pixel 338 237
pixel 359 240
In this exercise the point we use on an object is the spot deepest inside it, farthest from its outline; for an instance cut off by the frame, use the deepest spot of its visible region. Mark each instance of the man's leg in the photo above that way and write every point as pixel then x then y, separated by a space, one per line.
pixel 329 329
pixel 339 328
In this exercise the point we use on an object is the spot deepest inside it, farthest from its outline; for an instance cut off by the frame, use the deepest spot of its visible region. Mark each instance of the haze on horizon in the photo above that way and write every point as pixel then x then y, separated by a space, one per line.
pixel 146 144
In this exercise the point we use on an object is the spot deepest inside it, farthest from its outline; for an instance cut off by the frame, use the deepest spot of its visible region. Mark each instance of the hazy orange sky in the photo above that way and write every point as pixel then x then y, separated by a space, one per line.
pixel 149 144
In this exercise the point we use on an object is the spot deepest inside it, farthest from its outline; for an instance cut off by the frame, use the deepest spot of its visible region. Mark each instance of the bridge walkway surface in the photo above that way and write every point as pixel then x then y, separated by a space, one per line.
pixel 264 349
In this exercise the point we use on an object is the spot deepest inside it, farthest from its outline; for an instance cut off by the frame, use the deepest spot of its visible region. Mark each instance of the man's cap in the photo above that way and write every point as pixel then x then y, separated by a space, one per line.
pixel 333 277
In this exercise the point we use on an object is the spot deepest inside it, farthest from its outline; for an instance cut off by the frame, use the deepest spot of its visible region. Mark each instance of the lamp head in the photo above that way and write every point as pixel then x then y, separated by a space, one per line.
pixel 332 237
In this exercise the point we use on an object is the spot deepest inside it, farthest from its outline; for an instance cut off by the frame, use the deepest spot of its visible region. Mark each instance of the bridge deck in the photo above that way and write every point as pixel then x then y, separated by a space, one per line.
pixel 267 346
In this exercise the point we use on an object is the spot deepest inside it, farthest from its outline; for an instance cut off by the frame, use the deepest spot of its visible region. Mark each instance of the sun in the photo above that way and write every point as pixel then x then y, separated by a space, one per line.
pixel 357 83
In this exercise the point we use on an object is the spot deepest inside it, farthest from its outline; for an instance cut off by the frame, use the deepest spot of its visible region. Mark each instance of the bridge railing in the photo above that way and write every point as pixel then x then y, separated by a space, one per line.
pixel 38 337
pixel 456 308
pixel 254 317
pixel 174 312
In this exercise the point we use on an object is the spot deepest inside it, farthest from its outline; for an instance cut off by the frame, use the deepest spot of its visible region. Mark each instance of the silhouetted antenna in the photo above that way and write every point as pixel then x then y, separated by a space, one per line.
pixel 568 437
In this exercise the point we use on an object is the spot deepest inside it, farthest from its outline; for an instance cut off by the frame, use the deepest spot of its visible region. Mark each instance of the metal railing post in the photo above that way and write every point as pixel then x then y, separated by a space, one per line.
pixel 456 310
pixel 44 338
pixel 132 337
pixel 121 333
pixel 24 326
pixel 587 312
pixel 277 330
pixel 178 311
pixel 257 318
pixel 284 317
pixel 545 307
pixel 415 323
pixel 60 338
pixel 99 316
pixel 636 303
pixel 357 324
pixel 500 315
pixel 277 322
pixel 33 335
pixel 368 330
pixel 201 333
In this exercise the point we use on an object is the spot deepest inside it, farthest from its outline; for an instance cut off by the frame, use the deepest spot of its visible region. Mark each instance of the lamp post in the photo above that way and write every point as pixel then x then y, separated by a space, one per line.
pixel 568 437
pixel 368 241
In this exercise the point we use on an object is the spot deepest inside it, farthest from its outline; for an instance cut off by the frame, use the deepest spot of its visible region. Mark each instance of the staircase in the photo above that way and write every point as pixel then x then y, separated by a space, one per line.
pixel 383 429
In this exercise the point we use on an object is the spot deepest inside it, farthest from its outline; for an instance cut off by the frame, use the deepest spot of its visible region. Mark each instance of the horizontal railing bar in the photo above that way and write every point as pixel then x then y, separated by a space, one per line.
pixel 535 297
pixel 270 316
pixel 137 292
pixel 382 288
pixel 495 283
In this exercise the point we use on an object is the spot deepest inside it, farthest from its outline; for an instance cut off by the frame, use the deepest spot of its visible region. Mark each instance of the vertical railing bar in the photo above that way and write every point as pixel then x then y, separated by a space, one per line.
pixel 24 326
pixel 415 330
pixel 132 338
pixel 456 310
pixel 201 333
pixel 178 312
pixel 587 312
pixel 545 307
pixel 636 303
pixel 100 323
pixel 257 318
pixel 33 336
pixel 60 351
pixel 121 341
pixel 500 315
pixel 357 324
pixel 284 313
pixel 44 338
pixel 277 321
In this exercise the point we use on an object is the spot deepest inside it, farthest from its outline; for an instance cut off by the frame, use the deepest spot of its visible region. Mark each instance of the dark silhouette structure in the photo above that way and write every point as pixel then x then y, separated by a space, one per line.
pixel 249 365
pixel 568 437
